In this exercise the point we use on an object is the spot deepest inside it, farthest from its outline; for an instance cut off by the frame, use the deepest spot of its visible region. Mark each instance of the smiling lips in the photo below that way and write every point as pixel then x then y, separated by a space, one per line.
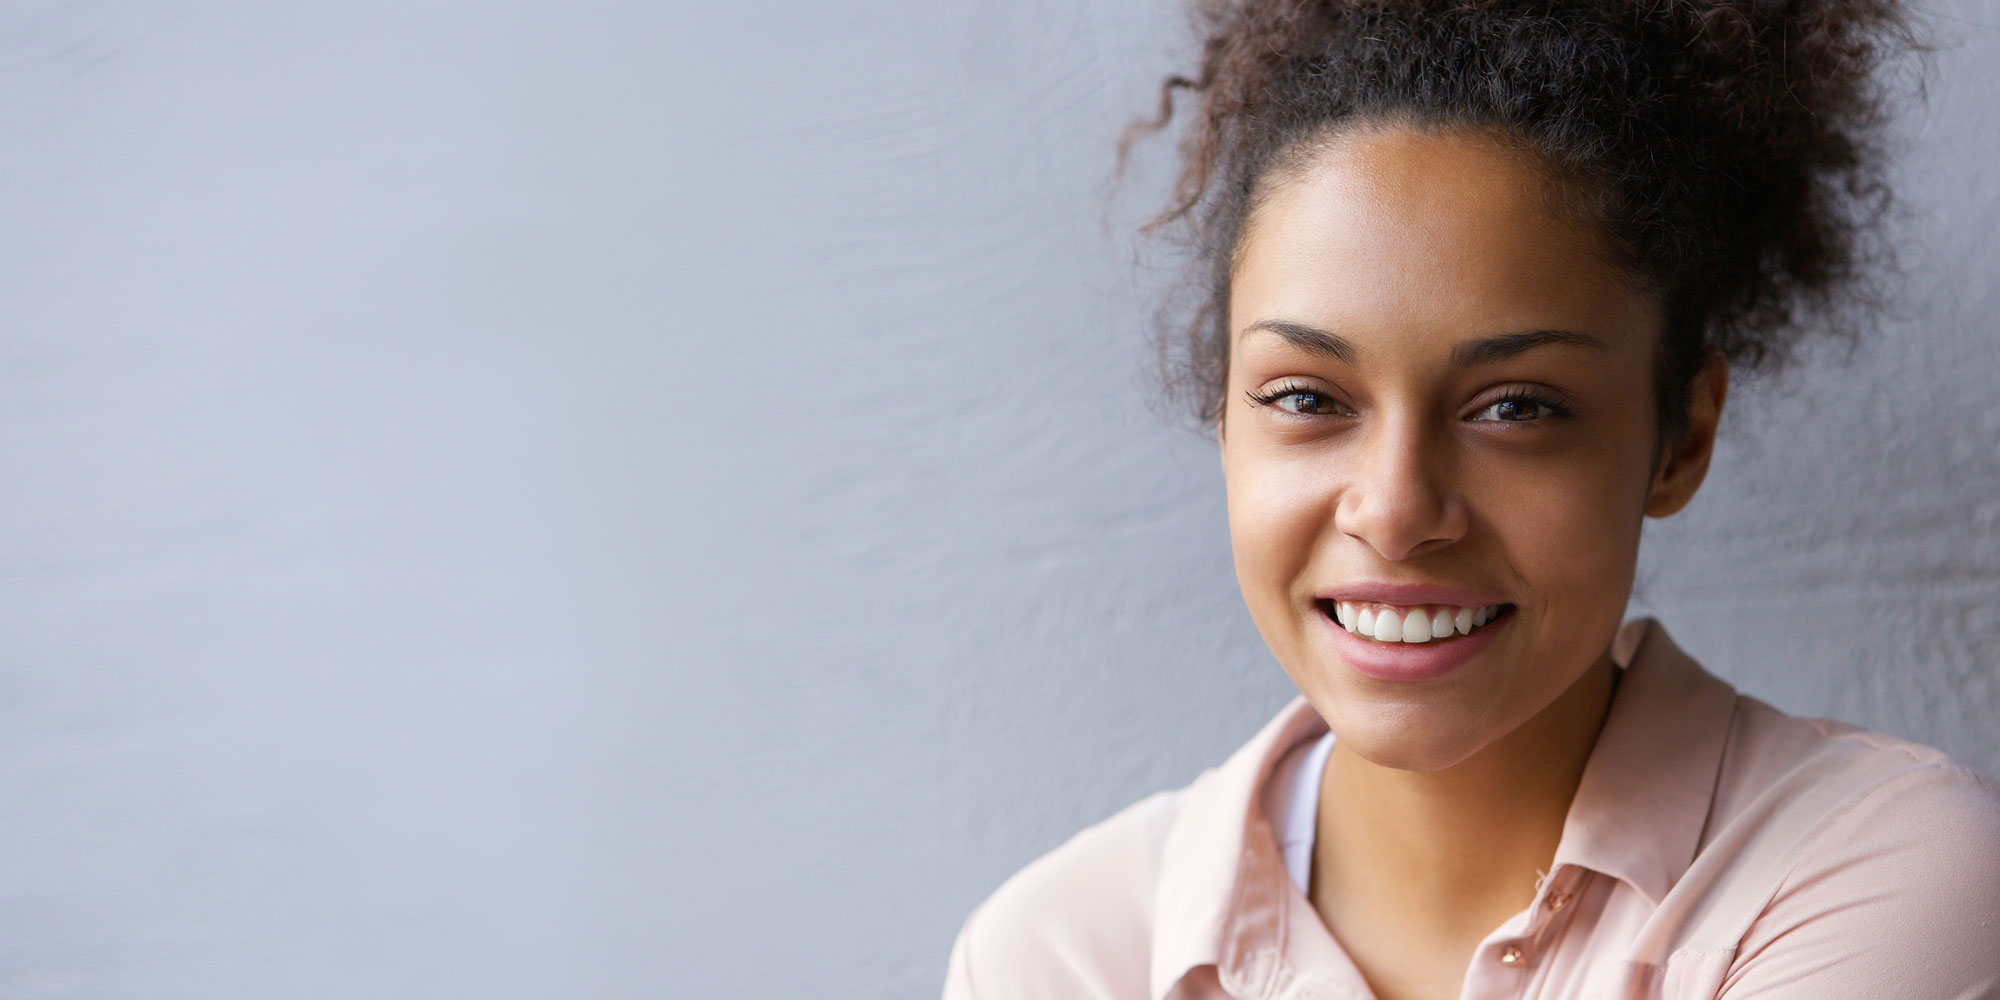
pixel 1422 623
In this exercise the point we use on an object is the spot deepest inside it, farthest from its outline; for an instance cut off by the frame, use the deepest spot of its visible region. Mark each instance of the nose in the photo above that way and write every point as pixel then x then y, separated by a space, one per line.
pixel 1398 498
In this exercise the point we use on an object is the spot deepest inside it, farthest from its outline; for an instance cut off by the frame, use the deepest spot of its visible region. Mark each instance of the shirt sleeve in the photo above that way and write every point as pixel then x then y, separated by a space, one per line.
pixel 1897 895
pixel 958 969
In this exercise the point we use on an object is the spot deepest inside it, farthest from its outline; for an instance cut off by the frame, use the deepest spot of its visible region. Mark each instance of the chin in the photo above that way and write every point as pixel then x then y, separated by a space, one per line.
pixel 1406 743
pixel 1416 756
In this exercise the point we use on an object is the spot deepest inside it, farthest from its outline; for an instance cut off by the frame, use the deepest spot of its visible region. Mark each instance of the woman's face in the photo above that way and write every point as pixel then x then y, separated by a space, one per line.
pixel 1440 403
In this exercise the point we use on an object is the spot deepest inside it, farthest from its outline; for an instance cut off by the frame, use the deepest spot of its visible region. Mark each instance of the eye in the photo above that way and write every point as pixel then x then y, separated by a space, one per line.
pixel 1303 400
pixel 1521 407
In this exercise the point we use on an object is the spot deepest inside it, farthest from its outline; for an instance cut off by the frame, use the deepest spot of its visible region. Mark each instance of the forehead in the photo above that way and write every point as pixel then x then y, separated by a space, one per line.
pixel 1432 231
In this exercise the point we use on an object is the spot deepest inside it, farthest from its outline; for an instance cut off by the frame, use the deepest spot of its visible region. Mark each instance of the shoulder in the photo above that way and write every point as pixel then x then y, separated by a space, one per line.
pixel 1083 920
pixel 1076 921
pixel 1797 777
pixel 1904 815
pixel 1793 788
pixel 1878 862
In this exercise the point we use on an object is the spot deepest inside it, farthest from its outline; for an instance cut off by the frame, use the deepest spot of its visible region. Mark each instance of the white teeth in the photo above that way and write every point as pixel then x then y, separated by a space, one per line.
pixel 1417 626
pixel 1420 624
pixel 1388 627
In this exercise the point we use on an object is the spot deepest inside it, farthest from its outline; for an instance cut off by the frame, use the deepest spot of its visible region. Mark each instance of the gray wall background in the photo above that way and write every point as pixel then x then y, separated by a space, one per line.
pixel 624 500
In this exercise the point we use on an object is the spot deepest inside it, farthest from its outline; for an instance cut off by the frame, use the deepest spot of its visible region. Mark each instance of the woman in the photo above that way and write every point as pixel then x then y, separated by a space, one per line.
pixel 1478 272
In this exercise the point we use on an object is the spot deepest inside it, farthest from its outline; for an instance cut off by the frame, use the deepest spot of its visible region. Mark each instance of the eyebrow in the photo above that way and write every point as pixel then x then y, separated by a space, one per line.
pixel 1465 354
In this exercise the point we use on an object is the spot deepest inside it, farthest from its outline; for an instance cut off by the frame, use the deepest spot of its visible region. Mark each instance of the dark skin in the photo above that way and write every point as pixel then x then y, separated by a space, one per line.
pixel 1412 454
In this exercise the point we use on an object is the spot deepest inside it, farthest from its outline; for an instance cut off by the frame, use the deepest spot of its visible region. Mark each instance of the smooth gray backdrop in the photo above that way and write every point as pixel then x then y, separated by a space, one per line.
pixel 630 500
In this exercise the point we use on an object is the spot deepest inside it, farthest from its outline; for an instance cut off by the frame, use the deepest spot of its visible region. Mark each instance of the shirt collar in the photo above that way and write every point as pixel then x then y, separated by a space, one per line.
pixel 1644 797
pixel 1220 865
pixel 1637 815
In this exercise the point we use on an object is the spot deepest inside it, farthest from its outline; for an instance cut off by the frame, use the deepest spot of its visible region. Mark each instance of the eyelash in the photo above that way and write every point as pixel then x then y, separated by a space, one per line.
pixel 1552 408
pixel 1290 389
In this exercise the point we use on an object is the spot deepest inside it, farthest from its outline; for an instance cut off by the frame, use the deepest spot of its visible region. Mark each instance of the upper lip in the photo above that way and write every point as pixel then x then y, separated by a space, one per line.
pixel 1408 594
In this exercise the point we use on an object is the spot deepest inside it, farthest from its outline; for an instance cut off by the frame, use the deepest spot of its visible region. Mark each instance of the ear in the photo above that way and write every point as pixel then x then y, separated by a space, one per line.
pixel 1684 465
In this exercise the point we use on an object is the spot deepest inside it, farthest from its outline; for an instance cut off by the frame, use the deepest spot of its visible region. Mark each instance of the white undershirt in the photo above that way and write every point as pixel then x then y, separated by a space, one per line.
pixel 1294 805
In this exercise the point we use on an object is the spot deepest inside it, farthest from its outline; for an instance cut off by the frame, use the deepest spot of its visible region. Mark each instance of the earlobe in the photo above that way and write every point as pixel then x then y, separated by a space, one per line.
pixel 1684 464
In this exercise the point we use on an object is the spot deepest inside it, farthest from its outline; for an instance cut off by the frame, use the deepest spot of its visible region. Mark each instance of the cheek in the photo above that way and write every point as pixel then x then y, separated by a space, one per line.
pixel 1571 524
pixel 1276 513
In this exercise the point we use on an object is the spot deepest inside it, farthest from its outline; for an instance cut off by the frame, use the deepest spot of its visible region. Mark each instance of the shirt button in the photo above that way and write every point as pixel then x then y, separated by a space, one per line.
pixel 1557 900
pixel 1512 956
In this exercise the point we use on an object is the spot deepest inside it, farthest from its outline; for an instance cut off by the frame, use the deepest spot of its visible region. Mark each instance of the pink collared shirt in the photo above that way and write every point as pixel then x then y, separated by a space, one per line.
pixel 1716 848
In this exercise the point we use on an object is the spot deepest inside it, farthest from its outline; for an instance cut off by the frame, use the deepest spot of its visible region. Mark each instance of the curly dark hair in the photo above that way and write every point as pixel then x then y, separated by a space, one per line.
pixel 1728 150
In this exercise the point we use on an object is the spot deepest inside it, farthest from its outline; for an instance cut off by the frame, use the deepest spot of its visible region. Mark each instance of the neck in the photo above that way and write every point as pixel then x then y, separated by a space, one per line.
pixel 1449 855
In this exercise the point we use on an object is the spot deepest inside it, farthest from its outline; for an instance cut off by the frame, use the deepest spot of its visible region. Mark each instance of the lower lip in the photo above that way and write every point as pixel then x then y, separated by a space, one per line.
pixel 1407 662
